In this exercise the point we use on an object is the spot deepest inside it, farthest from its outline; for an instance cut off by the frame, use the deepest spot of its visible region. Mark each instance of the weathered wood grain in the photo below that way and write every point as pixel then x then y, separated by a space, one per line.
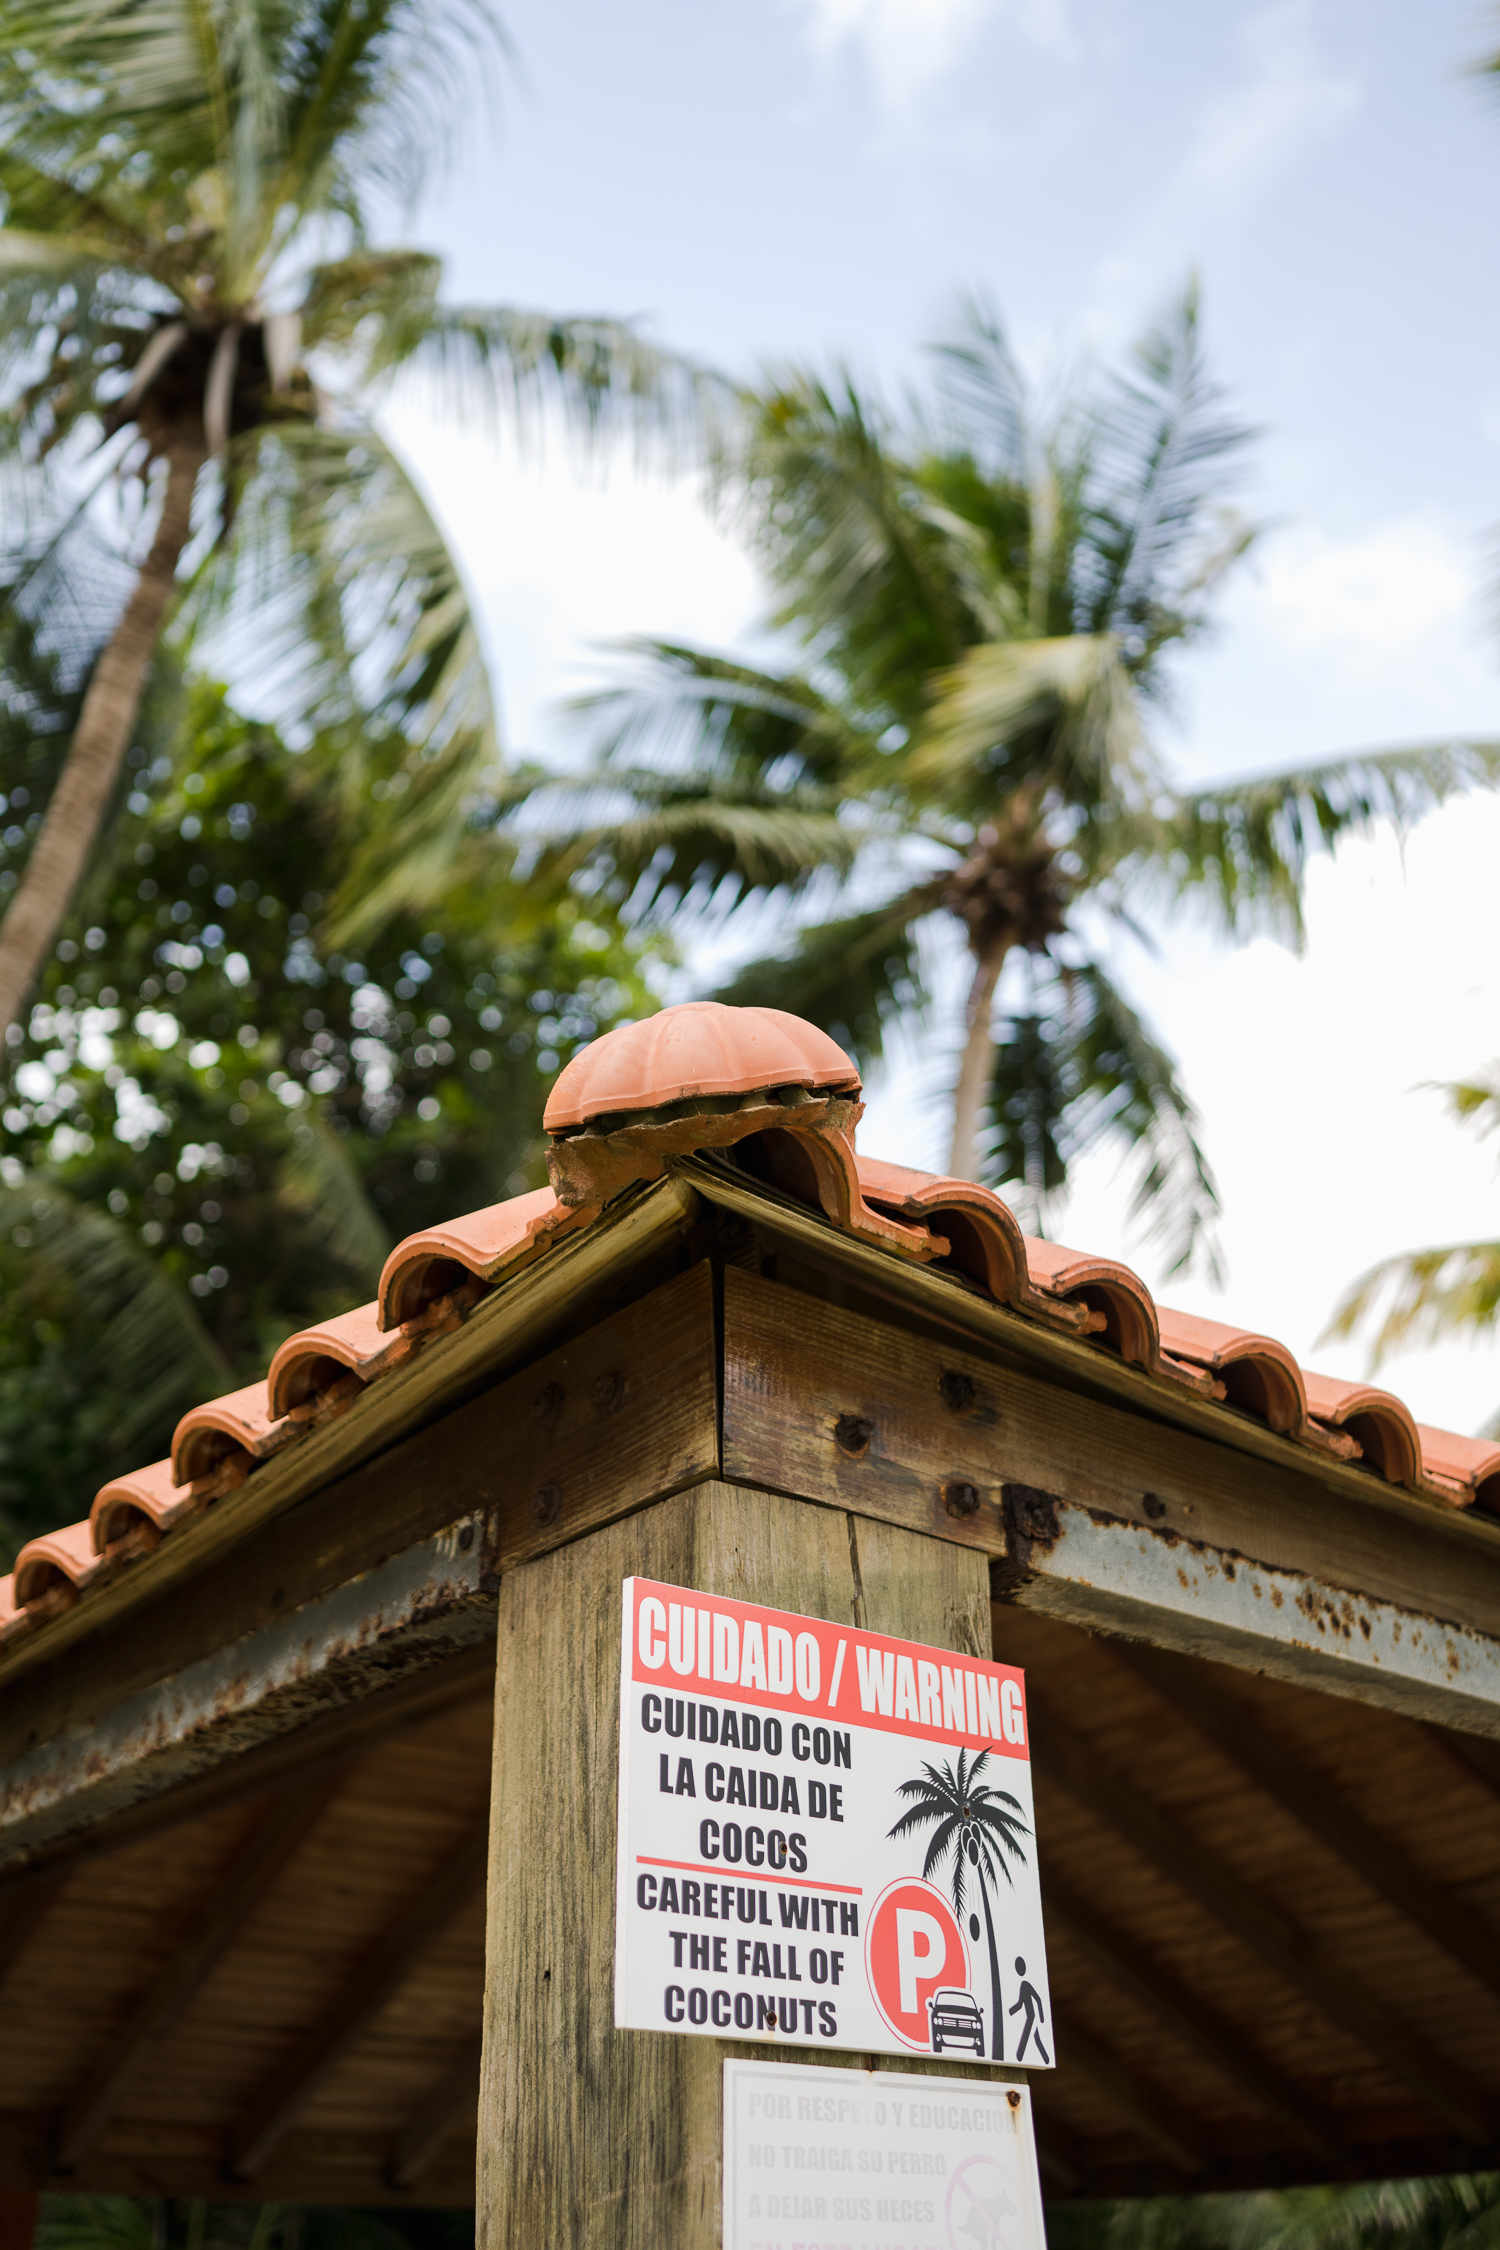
pixel 623 1413
pixel 509 1328
pixel 590 2136
pixel 855 1412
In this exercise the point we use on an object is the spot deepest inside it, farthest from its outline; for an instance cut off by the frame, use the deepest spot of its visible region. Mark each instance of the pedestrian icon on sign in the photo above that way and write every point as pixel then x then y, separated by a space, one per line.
pixel 1031 2002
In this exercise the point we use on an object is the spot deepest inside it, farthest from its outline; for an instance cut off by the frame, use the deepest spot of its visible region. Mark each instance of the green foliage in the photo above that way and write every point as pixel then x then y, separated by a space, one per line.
pixel 118 2222
pixel 1460 2212
pixel 1420 1297
pixel 218 1121
pixel 985 599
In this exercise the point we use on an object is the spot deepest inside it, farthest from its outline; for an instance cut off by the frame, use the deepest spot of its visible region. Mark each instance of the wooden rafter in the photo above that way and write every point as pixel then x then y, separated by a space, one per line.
pixel 1114 1954
pixel 259 1857
pixel 422 1922
pixel 449 2105
pixel 1242 1736
pixel 1155 2116
pixel 1296 1956
pixel 24 1906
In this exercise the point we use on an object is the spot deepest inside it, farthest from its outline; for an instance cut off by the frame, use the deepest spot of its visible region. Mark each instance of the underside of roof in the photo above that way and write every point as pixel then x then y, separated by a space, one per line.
pixel 245 1709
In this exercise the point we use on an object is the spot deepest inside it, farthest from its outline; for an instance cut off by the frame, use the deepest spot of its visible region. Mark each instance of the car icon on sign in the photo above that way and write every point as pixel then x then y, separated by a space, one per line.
pixel 955 2021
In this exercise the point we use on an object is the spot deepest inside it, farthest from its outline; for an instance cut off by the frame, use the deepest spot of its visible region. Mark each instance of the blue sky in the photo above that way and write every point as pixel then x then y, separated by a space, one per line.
pixel 820 178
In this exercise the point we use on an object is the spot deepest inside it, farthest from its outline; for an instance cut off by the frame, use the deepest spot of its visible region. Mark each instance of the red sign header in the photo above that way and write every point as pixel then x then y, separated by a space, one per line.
pixel 703 1645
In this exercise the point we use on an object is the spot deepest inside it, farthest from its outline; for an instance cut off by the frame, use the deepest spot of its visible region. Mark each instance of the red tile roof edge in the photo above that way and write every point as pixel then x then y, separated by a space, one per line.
pixel 433 1280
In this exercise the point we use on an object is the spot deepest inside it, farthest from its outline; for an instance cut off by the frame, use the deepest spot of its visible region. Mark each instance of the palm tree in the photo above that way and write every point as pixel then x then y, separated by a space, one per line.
pixel 187 282
pixel 1421 1296
pixel 987 602
pixel 973 1828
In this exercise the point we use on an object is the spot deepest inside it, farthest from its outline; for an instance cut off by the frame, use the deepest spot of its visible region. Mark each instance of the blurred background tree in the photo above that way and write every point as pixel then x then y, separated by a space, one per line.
pixel 1421 1297
pixel 191 309
pixel 216 1123
pixel 987 597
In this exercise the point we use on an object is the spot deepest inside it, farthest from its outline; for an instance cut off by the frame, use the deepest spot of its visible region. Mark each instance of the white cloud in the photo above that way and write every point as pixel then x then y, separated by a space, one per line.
pixel 1287 99
pixel 908 45
pixel 1388 591
pixel 1282 100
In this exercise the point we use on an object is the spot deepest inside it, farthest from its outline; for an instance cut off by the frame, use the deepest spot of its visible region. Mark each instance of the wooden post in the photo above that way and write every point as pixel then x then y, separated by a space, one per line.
pixel 589 2136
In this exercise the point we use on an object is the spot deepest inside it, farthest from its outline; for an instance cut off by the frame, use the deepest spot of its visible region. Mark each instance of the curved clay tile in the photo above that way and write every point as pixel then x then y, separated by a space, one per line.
pixel 310 1361
pixel 238 1422
pixel 51 1569
pixel 1257 1373
pixel 148 1498
pixel 1464 1469
pixel 984 1241
pixel 10 1608
pixel 1124 1309
pixel 483 1244
pixel 1378 1422
pixel 701 1048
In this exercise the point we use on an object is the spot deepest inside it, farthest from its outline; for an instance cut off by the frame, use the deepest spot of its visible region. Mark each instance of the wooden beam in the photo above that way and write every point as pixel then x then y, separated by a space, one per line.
pixel 448 2108
pixel 640 1229
pixel 260 1855
pixel 1058 2155
pixel 409 1614
pixel 1242 1736
pixel 1135 1528
pixel 1129 2092
pixel 1475 1752
pixel 321 1746
pixel 390 1962
pixel 1160 1838
pixel 1112 1953
pixel 619 2138
pixel 393 1567
pixel 24 1905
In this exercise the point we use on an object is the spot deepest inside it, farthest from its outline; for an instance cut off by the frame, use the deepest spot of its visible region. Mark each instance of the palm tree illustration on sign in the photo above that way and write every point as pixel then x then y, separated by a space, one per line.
pixel 974 1829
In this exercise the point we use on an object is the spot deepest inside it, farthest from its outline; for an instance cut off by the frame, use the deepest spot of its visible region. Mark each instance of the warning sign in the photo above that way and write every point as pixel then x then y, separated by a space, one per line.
pixel 826 1837
pixel 867 2160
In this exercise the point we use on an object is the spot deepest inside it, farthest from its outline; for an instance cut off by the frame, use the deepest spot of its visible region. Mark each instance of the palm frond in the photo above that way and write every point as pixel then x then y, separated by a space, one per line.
pixel 1081 1071
pixel 1160 451
pixel 1245 846
pixel 855 977
pixel 724 720
pixel 984 393
pixel 1056 713
pixel 317 1180
pixel 672 845
pixel 153 1355
pixel 1422 1297
pixel 340 589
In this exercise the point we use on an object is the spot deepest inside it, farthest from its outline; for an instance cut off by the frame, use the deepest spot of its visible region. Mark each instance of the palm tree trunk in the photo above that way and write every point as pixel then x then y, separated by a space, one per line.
pixel 997 1997
pixel 87 782
pixel 977 1064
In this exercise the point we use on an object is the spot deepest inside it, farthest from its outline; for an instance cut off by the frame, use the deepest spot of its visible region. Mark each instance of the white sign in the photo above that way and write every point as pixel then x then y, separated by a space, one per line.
pixel 869 2160
pixel 825 1837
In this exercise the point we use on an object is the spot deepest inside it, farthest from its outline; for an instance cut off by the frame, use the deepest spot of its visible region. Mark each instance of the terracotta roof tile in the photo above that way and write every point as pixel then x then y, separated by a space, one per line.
pixel 55 1566
pixel 699 1049
pixel 484 1244
pixel 1258 1374
pixel 798 1139
pixel 1461 1467
pixel 150 1498
pixel 1387 1435
pixel 211 1435
pixel 309 1363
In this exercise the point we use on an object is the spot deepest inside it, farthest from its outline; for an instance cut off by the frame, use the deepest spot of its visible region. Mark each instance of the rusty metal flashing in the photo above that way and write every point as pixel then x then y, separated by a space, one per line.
pixel 405 1615
pixel 1109 1575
